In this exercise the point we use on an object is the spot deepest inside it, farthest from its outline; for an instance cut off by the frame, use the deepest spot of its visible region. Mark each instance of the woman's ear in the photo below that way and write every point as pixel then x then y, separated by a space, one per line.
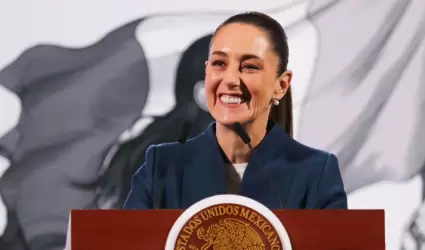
pixel 282 84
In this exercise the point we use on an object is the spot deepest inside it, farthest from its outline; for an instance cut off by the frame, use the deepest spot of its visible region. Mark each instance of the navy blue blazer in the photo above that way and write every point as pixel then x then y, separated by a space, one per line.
pixel 280 168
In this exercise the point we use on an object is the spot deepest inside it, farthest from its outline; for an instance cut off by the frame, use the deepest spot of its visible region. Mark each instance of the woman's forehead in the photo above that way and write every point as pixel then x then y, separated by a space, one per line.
pixel 241 39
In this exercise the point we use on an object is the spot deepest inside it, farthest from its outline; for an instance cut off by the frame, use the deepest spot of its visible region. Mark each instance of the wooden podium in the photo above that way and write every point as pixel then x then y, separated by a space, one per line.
pixel 148 229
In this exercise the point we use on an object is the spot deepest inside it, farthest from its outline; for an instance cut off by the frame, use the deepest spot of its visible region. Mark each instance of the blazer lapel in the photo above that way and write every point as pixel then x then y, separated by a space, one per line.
pixel 269 177
pixel 269 184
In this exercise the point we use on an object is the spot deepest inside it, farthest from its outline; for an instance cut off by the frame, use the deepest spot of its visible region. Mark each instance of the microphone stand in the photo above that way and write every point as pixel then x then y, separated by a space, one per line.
pixel 182 140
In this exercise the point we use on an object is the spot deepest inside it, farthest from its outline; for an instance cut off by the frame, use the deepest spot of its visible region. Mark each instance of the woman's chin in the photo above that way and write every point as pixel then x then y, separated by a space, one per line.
pixel 228 121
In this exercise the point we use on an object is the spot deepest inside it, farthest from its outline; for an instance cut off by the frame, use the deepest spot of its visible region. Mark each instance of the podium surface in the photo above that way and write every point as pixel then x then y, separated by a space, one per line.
pixel 149 229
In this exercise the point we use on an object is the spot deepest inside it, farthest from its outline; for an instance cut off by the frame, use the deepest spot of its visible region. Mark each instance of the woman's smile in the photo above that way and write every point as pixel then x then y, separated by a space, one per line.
pixel 232 100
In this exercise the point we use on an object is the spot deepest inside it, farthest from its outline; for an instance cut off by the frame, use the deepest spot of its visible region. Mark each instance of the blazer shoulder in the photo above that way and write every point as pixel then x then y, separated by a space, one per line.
pixel 164 148
pixel 301 152
pixel 166 153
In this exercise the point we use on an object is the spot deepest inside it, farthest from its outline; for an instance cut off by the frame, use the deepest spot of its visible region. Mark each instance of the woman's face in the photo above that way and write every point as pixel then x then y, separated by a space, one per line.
pixel 241 75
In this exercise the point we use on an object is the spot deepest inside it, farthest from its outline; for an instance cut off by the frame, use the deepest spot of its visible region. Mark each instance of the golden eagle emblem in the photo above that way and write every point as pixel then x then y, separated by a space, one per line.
pixel 230 234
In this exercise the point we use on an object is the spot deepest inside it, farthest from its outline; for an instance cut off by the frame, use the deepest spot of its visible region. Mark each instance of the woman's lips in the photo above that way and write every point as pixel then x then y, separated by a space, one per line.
pixel 231 101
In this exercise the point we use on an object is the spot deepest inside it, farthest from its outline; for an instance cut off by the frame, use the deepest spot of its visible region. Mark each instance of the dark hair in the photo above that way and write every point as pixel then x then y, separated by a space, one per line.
pixel 282 113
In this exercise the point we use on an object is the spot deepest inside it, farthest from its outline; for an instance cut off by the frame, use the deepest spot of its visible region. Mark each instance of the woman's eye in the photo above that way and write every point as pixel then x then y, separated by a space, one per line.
pixel 250 67
pixel 218 63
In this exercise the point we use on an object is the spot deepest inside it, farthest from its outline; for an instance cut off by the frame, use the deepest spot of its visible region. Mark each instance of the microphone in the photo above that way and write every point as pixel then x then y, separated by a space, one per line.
pixel 247 140
pixel 184 133
pixel 242 134
pixel 182 140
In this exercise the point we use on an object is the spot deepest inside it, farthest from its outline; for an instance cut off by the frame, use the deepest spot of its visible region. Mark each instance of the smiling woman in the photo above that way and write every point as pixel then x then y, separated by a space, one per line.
pixel 247 88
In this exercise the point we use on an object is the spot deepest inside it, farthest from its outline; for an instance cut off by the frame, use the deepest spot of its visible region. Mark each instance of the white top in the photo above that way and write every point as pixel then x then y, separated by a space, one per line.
pixel 234 177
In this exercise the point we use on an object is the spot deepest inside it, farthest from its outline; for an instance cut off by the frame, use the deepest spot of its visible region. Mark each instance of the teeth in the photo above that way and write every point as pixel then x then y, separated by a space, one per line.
pixel 231 99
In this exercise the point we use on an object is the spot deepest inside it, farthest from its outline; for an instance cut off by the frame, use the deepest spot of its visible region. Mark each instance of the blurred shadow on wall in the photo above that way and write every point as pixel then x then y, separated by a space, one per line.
pixel 131 155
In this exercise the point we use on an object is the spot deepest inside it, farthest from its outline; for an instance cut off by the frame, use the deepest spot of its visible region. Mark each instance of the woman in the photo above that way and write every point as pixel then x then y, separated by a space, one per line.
pixel 246 83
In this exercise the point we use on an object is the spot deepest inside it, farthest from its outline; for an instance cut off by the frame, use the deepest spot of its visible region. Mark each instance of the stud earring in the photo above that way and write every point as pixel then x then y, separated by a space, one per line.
pixel 275 102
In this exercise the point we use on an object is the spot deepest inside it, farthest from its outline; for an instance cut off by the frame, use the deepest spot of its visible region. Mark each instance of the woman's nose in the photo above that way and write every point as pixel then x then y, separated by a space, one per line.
pixel 231 77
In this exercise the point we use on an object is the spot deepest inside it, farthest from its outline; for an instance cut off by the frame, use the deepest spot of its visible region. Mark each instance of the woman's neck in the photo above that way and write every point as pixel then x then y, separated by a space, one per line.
pixel 233 146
